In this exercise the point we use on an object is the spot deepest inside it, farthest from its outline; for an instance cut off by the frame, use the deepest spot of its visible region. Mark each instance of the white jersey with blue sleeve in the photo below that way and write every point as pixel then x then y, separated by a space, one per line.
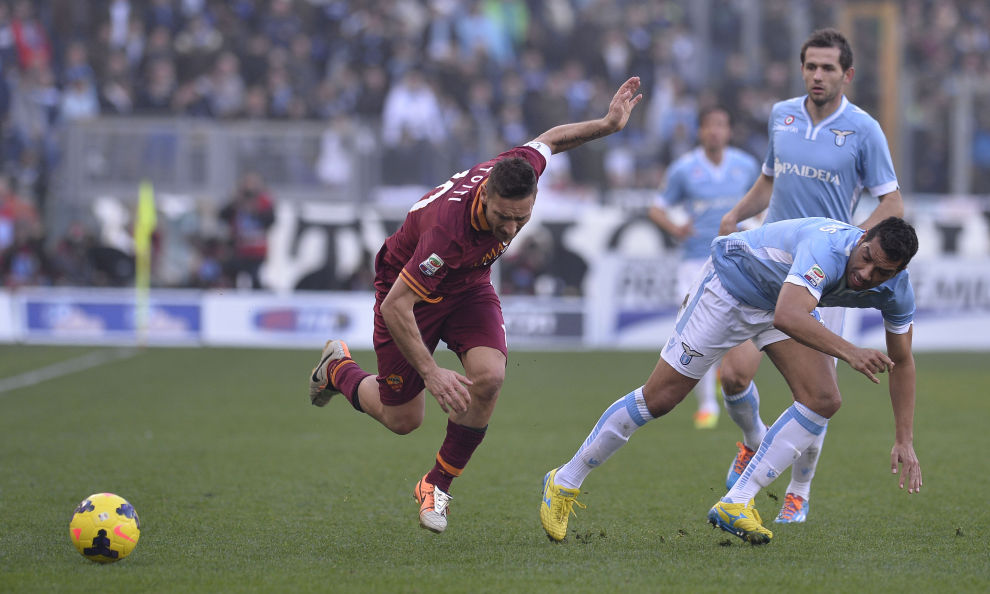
pixel 812 253
pixel 707 191
pixel 821 170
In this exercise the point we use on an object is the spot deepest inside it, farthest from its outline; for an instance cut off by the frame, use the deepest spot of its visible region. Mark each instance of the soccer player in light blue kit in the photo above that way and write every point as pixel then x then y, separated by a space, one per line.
pixel 707 182
pixel 766 285
pixel 823 152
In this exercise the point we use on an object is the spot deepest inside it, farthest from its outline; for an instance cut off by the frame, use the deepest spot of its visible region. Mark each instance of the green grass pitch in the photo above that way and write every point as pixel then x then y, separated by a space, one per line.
pixel 243 486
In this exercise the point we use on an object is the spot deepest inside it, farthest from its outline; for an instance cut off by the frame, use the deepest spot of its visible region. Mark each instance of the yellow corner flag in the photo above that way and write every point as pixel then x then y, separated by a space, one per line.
pixel 145 221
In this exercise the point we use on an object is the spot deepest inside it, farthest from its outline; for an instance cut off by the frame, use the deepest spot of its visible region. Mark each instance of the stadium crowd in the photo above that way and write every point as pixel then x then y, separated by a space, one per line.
pixel 479 75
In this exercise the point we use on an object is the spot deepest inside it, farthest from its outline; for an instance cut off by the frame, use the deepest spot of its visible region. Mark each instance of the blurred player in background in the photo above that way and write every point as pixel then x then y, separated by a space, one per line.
pixel 433 283
pixel 767 285
pixel 706 182
pixel 823 152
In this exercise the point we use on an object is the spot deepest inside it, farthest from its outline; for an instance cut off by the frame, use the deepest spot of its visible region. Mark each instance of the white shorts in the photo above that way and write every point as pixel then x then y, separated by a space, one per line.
pixel 687 272
pixel 712 321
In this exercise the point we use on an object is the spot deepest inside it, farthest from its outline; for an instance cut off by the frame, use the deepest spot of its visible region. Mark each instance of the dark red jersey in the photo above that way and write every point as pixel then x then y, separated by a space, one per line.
pixel 445 244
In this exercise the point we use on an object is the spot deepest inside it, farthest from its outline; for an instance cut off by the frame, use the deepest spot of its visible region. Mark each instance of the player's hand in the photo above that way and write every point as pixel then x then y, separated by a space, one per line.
pixel 728 225
pixel 450 389
pixel 682 232
pixel 903 454
pixel 622 104
pixel 870 362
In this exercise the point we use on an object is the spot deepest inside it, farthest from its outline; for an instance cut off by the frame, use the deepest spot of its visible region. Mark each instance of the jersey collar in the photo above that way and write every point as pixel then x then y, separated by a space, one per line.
pixel 478 220
pixel 812 132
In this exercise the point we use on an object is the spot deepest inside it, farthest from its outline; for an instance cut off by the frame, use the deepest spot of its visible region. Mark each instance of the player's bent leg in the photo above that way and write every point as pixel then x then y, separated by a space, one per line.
pixel 400 419
pixel 809 373
pixel 666 388
pixel 739 367
pixel 485 367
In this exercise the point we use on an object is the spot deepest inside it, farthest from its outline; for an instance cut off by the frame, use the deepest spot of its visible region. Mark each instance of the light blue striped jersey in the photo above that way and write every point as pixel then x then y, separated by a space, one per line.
pixel 820 171
pixel 753 265
pixel 707 191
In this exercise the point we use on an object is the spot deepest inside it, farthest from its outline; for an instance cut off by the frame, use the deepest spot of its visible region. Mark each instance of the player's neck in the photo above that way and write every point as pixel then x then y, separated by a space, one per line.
pixel 714 155
pixel 820 112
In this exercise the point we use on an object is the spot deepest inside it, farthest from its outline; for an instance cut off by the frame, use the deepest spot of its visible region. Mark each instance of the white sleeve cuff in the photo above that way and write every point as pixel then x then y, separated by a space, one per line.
pixel 797 280
pixel 883 189
pixel 896 328
pixel 542 148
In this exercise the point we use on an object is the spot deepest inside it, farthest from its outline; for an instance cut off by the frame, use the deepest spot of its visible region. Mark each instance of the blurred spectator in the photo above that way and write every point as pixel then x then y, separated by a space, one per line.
pixel 249 215
pixel 196 46
pixel 18 217
pixel 25 263
pixel 79 100
pixel 71 263
pixel 411 130
pixel 30 38
pixel 225 87
pixel 155 96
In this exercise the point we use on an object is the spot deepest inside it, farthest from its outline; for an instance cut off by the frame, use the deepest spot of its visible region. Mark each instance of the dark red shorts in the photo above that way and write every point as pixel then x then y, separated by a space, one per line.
pixel 463 321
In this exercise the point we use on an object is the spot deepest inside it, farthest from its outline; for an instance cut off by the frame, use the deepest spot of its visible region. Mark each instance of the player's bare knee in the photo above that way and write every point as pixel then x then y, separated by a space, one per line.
pixel 487 385
pixel 823 402
pixel 732 382
pixel 403 424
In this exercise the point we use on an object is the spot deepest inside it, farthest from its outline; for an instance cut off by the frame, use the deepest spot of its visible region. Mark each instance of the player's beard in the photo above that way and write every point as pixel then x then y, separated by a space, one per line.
pixel 824 99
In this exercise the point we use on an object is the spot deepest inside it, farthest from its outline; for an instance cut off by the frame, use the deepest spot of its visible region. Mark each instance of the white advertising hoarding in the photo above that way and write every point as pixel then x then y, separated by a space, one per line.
pixel 299 320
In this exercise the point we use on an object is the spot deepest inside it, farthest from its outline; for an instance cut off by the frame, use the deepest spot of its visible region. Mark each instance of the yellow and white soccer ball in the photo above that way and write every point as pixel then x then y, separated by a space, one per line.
pixel 105 528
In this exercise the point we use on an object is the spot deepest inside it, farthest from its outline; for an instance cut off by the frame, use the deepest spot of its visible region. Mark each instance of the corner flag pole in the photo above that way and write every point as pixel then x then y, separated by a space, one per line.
pixel 145 221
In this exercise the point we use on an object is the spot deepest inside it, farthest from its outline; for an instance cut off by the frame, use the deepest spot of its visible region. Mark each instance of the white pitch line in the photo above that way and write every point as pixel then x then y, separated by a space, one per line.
pixel 43 374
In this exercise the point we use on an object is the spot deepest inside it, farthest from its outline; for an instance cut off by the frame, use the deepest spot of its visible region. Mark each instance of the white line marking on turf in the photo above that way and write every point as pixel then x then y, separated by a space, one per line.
pixel 43 374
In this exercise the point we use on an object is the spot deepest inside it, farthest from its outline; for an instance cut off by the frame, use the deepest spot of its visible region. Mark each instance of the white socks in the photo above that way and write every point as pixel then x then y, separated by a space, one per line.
pixel 793 433
pixel 804 469
pixel 705 392
pixel 744 409
pixel 617 423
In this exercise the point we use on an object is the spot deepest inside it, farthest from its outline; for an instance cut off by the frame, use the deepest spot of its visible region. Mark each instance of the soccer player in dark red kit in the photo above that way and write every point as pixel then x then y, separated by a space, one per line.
pixel 432 283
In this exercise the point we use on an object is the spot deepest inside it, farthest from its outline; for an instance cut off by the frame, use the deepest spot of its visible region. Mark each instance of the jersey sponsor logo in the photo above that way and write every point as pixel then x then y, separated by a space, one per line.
pixel 491 256
pixel 394 381
pixel 815 275
pixel 840 135
pixel 431 265
pixel 784 168
pixel 689 354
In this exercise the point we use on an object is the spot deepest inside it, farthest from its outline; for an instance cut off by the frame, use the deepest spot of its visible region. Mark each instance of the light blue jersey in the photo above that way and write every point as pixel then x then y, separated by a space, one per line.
pixel 707 191
pixel 821 170
pixel 813 253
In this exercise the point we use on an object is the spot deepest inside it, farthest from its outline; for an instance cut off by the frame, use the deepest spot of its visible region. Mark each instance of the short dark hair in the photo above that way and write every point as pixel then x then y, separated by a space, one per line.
pixel 897 239
pixel 513 177
pixel 830 38
pixel 710 109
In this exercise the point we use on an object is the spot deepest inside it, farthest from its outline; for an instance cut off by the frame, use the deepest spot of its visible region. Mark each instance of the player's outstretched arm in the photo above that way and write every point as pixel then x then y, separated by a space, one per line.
pixel 567 136
pixel 902 398
pixel 891 205
pixel 447 386
pixel 792 316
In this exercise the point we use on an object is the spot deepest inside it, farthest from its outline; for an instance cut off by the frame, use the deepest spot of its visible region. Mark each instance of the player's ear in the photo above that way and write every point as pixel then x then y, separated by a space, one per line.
pixel 848 74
